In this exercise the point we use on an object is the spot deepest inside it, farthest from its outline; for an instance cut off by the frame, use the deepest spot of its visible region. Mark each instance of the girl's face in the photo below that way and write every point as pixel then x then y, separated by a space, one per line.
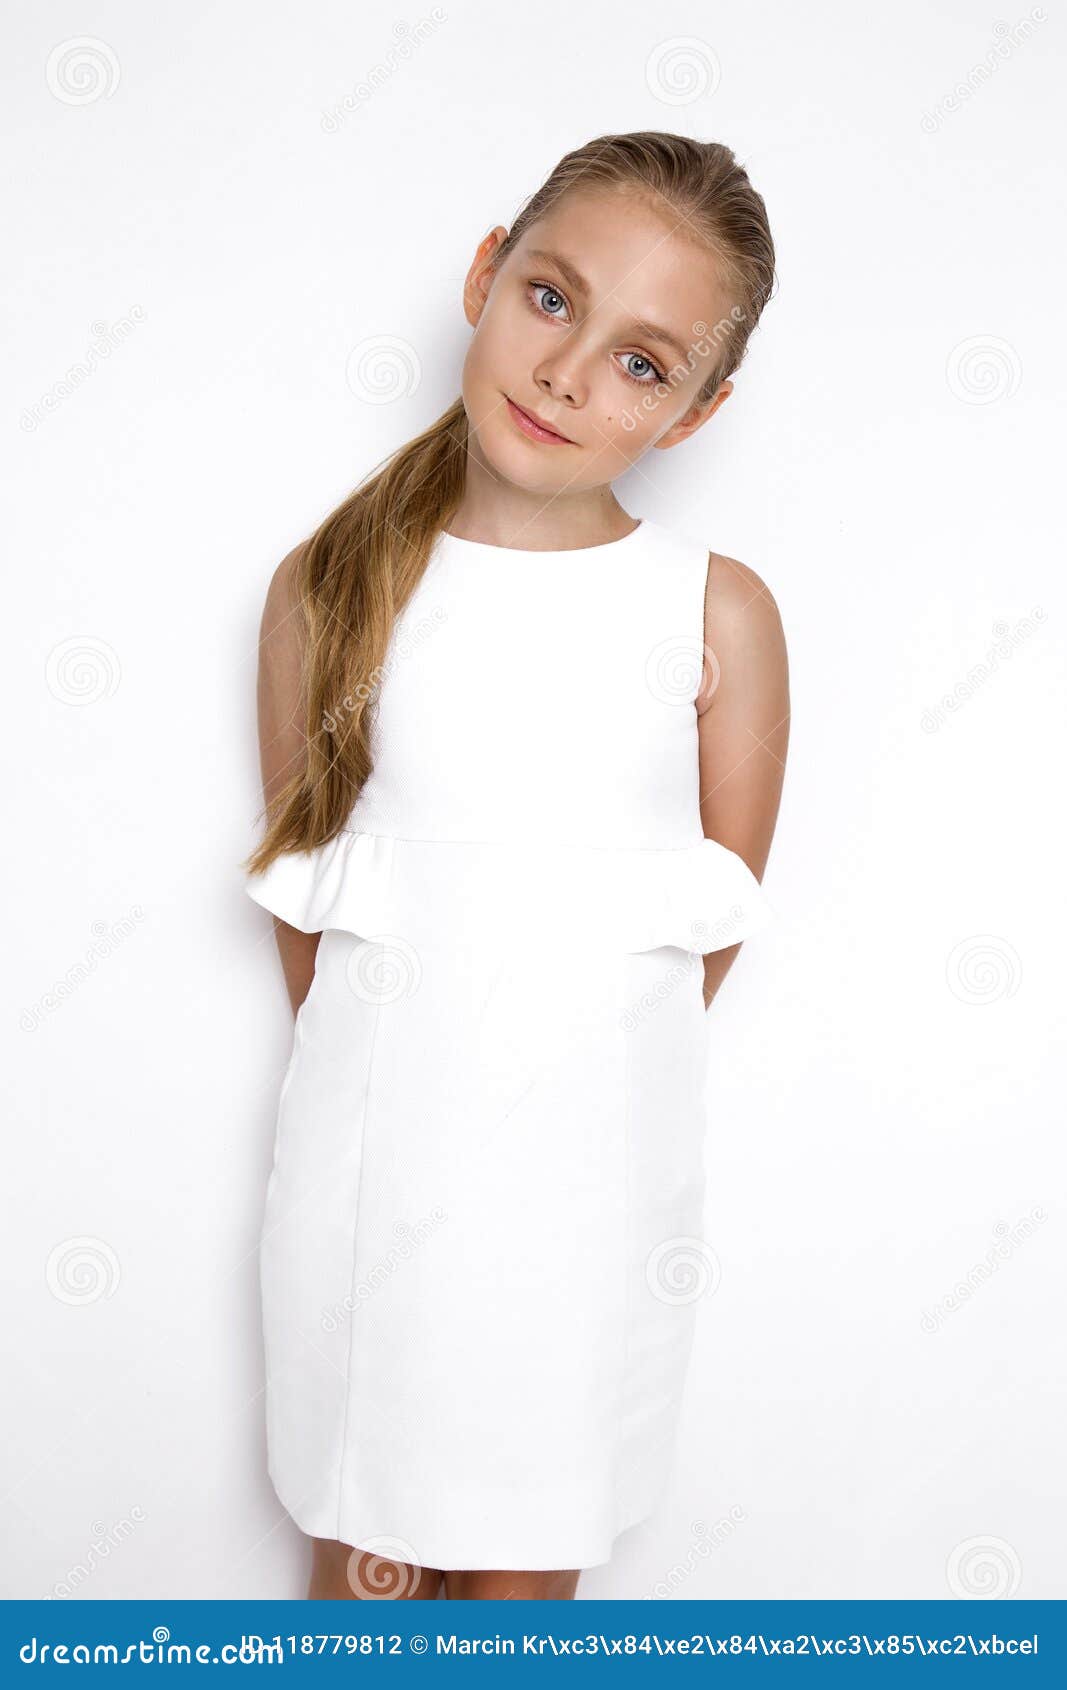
pixel 600 325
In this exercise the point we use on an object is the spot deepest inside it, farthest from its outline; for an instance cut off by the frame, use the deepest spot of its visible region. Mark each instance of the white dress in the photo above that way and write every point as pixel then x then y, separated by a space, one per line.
pixel 482 1247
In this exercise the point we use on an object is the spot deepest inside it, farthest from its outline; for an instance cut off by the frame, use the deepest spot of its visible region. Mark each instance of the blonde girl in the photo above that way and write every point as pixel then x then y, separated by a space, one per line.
pixel 522 757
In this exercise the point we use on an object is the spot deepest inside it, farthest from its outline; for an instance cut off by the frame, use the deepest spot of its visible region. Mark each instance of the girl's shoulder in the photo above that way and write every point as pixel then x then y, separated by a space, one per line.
pixel 282 586
pixel 735 587
pixel 744 640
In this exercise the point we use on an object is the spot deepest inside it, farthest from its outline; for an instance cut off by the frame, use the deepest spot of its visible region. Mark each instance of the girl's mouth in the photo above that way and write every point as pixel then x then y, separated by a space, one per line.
pixel 533 429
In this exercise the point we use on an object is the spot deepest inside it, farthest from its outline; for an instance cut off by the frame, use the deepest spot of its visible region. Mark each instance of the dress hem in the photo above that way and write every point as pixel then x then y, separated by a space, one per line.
pixel 314 1522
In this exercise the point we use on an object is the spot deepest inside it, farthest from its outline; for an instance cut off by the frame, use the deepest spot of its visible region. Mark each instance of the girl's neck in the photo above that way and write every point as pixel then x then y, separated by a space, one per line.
pixel 504 516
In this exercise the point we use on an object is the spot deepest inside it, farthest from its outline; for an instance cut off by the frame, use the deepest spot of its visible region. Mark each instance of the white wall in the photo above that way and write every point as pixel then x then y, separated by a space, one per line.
pixel 883 1104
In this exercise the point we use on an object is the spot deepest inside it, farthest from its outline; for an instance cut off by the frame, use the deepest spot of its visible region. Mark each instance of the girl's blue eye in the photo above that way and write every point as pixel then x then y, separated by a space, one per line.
pixel 543 287
pixel 651 375
pixel 649 380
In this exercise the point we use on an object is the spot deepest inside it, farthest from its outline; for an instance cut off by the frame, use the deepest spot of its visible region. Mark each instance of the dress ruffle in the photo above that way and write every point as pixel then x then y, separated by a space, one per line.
pixel 700 898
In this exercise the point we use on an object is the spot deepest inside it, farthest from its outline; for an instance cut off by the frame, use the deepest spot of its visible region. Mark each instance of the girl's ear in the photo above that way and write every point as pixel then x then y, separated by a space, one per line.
pixel 694 418
pixel 480 275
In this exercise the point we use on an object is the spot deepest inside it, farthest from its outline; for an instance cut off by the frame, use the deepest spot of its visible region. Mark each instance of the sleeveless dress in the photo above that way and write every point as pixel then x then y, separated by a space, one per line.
pixel 482 1250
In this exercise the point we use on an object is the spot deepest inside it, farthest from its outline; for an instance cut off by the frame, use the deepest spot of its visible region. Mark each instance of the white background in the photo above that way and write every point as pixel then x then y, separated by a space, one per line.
pixel 884 1104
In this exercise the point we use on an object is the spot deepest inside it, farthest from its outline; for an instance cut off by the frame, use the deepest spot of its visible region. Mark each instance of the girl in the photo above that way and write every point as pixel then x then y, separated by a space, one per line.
pixel 522 758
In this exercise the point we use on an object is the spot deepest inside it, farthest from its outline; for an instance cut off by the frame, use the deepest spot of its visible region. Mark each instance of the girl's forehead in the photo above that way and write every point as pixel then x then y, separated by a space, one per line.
pixel 640 254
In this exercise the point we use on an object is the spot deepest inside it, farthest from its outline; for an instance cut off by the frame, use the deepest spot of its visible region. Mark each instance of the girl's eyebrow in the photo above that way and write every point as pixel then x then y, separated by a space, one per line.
pixel 578 283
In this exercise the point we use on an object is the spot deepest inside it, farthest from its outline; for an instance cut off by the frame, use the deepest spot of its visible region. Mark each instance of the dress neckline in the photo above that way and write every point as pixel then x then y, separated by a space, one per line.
pixel 456 540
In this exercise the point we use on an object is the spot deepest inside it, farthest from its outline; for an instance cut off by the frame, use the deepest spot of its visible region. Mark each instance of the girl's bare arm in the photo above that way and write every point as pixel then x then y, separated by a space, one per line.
pixel 743 723
pixel 281 743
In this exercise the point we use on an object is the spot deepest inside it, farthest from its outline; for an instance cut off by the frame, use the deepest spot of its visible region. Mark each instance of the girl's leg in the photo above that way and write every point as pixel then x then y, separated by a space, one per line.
pixel 521 1587
pixel 340 1573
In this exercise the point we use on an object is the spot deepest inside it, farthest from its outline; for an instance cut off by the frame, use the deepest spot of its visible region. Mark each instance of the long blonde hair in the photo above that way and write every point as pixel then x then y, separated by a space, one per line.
pixel 360 567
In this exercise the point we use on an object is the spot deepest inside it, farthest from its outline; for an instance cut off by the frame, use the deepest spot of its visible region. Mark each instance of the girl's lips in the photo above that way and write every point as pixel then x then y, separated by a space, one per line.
pixel 531 427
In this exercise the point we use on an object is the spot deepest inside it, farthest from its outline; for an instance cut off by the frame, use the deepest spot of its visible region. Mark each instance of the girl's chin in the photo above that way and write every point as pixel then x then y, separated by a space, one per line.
pixel 520 461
